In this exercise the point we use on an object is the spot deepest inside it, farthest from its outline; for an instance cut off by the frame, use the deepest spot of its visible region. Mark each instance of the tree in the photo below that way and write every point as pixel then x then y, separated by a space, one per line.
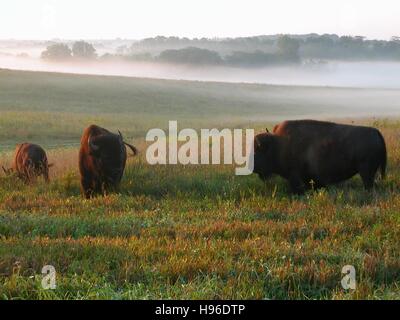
pixel 83 50
pixel 191 55
pixel 395 39
pixel 318 47
pixel 288 48
pixel 257 58
pixel 57 51
pixel 122 49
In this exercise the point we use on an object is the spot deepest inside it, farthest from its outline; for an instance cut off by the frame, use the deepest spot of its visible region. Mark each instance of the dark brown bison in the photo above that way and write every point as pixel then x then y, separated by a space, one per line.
pixel 312 153
pixel 102 159
pixel 30 162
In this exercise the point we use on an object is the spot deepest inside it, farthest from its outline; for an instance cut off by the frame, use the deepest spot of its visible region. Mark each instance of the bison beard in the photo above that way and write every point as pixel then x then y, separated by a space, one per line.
pixel 102 159
pixel 312 153
pixel 30 162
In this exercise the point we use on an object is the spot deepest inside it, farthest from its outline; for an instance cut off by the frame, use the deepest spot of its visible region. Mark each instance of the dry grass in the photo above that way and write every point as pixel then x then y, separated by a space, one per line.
pixel 200 232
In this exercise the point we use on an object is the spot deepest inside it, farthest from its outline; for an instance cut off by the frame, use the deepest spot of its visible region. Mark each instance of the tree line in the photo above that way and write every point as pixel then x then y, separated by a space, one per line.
pixel 241 52
pixel 62 52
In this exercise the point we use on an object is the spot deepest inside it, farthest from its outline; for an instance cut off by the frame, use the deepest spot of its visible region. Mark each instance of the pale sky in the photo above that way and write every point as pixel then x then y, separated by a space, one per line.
pixel 132 19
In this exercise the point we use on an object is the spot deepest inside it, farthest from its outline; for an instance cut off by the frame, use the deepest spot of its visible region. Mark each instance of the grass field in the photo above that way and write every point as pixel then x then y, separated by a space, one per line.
pixel 195 232
pixel 53 108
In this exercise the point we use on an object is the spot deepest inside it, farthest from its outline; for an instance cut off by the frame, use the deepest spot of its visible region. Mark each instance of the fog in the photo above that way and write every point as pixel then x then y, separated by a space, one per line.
pixel 338 74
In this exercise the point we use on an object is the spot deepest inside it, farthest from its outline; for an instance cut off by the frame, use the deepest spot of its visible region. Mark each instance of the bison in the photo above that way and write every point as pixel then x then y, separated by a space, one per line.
pixel 102 159
pixel 311 153
pixel 30 162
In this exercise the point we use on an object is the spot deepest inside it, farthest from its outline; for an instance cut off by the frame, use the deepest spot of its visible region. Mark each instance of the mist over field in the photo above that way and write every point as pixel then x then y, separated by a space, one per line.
pixel 302 60
pixel 53 108
pixel 337 74
pixel 291 79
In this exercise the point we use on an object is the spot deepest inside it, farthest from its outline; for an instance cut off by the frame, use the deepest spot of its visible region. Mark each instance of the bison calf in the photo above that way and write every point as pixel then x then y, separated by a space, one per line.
pixel 30 162
pixel 102 159
pixel 315 153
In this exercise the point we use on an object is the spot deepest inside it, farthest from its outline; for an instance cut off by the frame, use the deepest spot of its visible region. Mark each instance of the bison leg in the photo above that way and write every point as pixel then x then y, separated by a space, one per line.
pixel 99 188
pixel 367 174
pixel 86 187
pixel 44 171
pixel 296 184
pixel 46 176
pixel 26 176
pixel 108 188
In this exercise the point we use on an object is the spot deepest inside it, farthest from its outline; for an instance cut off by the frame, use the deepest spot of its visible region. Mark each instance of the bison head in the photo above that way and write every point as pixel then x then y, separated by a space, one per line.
pixel 264 154
pixel 109 153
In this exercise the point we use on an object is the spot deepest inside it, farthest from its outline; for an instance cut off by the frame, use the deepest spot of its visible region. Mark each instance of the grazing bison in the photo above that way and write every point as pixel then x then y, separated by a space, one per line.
pixel 312 153
pixel 30 162
pixel 102 159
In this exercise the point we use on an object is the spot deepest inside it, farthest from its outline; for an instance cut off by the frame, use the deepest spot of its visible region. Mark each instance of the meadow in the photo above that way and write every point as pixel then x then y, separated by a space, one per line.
pixel 189 232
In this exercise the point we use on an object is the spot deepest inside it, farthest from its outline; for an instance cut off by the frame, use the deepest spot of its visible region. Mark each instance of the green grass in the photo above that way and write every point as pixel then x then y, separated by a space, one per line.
pixel 195 232
pixel 199 232
pixel 53 109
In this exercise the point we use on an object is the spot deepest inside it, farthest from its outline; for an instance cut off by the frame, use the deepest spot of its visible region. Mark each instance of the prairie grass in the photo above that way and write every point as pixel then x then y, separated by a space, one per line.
pixel 199 232
pixel 182 232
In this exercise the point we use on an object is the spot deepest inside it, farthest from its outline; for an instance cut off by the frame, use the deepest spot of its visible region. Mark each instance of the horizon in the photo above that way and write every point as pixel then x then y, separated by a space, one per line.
pixel 193 38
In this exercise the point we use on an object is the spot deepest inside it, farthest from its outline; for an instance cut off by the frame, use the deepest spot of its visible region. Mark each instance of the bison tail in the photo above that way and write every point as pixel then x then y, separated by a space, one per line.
pixel 383 166
pixel 384 157
pixel 134 149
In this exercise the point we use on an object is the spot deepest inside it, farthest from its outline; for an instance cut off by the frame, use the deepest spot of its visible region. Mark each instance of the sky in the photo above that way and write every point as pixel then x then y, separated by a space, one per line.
pixel 131 19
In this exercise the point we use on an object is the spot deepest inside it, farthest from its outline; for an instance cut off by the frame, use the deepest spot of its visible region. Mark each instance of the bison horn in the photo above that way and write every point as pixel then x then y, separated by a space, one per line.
pixel 120 136
pixel 92 146
pixel 266 129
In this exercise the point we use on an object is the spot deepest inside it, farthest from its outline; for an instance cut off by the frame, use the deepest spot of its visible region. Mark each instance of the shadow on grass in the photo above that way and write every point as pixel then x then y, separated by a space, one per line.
pixel 210 182
pixel 221 182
